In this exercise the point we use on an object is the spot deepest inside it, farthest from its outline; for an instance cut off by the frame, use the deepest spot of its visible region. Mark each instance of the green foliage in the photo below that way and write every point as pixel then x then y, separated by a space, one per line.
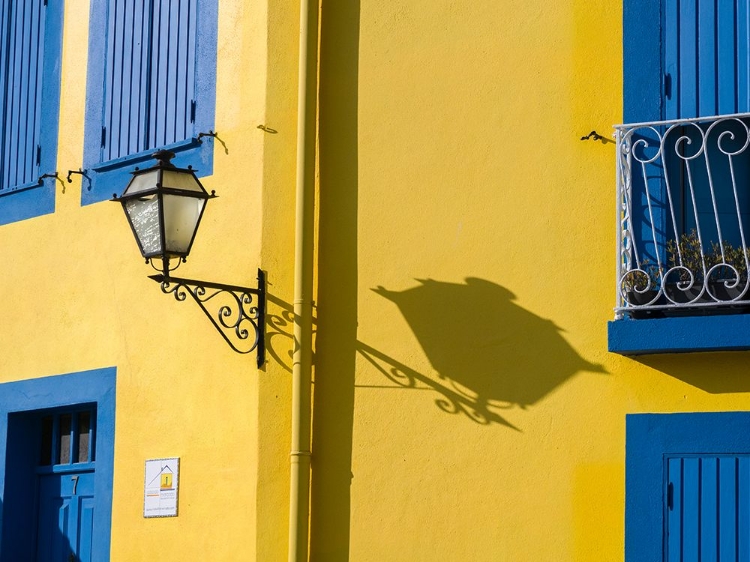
pixel 688 247
pixel 638 280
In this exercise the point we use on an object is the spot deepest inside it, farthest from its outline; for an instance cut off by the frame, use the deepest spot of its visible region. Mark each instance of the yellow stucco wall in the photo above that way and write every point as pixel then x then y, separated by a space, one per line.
pixel 465 406
pixel 76 297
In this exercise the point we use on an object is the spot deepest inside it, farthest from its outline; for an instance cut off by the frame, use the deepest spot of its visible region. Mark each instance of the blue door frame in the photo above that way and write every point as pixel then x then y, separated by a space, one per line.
pixel 658 443
pixel 18 402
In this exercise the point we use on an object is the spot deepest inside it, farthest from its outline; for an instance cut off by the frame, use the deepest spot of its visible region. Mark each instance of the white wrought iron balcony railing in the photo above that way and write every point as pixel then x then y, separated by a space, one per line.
pixel 683 203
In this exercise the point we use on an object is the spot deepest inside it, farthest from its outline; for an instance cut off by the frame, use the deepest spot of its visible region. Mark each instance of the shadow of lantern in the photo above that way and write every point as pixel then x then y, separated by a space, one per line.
pixel 485 346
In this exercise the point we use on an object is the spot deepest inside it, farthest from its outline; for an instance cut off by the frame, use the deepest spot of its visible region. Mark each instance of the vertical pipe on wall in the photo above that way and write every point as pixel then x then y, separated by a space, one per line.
pixel 299 501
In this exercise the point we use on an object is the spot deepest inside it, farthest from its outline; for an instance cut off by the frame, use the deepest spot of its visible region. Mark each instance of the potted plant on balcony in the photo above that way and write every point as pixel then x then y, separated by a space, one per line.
pixel 728 282
pixel 640 288
pixel 690 265
pixel 686 261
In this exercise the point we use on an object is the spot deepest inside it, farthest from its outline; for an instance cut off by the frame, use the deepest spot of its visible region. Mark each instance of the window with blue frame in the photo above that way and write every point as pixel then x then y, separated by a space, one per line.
pixel 151 85
pixel 687 487
pixel 683 172
pixel 30 51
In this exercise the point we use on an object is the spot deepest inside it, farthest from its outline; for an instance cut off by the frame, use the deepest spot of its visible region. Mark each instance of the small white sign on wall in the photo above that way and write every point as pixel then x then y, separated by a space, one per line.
pixel 160 489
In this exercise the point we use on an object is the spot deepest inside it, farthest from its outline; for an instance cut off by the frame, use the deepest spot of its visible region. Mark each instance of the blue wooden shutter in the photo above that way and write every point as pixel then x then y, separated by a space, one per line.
pixel 706 46
pixel 21 64
pixel 708 509
pixel 150 75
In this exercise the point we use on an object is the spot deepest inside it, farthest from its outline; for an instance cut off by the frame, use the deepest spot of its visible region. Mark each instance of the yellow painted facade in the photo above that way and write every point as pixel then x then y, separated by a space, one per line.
pixel 465 405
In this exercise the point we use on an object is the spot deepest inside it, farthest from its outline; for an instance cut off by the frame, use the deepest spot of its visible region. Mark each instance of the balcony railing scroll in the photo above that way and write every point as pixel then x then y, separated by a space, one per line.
pixel 683 204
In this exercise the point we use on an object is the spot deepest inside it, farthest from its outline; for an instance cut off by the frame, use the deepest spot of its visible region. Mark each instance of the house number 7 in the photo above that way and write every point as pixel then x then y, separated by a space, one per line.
pixel 75 483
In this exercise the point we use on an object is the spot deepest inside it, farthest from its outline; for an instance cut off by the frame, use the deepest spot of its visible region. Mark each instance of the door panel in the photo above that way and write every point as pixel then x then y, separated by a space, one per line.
pixel 65 517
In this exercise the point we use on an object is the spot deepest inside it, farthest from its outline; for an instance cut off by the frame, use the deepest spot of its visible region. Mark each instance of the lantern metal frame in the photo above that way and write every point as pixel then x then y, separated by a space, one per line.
pixel 245 313
pixel 159 190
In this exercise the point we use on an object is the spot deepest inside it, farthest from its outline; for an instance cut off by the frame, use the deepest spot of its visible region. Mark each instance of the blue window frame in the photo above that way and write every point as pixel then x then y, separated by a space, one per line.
pixel 661 82
pixel 687 487
pixel 23 408
pixel 30 51
pixel 151 84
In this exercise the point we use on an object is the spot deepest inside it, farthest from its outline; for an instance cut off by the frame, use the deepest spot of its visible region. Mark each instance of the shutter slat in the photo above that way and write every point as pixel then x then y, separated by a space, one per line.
pixel 671 58
pixel 190 95
pixel 127 101
pixel 691 493
pixel 141 82
pixel 181 113
pixel 727 509
pixel 709 531
pixel 725 79
pixel 14 93
pixel 22 80
pixel 688 72
pixel 159 72
pixel 110 94
pixel 706 42
pixel 35 94
pixel 171 70
pixel 4 57
pixel 674 517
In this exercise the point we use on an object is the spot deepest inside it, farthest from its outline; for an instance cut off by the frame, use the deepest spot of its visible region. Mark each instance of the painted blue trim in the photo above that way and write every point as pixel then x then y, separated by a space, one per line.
pixel 729 332
pixel 649 439
pixel 89 387
pixel 33 201
pixel 103 179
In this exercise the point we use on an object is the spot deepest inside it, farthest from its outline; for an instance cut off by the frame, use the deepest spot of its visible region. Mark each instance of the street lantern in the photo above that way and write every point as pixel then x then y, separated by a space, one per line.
pixel 164 205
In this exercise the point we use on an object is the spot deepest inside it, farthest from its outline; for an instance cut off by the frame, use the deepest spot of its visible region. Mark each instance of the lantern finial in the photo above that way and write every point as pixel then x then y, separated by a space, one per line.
pixel 164 157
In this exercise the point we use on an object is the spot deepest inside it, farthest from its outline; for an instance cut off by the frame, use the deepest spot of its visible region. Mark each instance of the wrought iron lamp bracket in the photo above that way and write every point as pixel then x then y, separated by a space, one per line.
pixel 236 321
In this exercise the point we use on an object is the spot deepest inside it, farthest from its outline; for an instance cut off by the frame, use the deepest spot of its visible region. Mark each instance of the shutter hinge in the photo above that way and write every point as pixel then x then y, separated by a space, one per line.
pixel 104 136
pixel 38 154
pixel 668 86
pixel 670 496
pixel 192 111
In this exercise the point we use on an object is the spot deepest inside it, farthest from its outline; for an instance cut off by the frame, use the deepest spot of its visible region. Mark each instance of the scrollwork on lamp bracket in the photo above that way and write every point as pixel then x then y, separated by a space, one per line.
pixel 245 313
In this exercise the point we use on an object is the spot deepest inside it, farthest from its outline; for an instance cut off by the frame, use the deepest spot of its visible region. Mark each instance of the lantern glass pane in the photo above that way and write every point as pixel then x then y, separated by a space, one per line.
pixel 181 216
pixel 144 217
pixel 181 180
pixel 142 182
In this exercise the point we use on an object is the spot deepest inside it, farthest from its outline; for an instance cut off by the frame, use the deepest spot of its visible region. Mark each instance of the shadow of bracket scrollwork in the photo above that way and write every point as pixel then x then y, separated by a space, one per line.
pixel 237 313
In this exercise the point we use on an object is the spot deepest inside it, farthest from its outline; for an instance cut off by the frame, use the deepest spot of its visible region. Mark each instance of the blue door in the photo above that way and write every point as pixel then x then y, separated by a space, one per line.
pixel 66 517
pixel 708 508
pixel 65 487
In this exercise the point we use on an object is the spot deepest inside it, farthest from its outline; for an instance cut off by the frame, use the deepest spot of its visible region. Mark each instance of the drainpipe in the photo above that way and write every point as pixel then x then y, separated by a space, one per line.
pixel 299 491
